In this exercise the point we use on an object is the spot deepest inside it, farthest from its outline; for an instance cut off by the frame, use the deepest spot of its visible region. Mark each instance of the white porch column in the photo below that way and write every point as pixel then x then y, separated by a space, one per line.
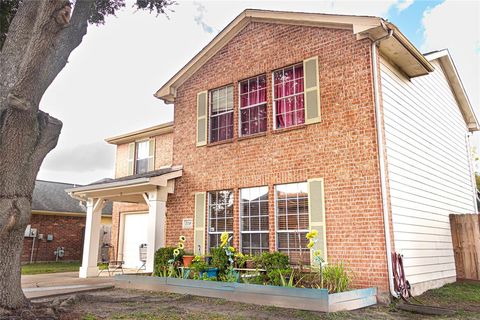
pixel 92 237
pixel 157 201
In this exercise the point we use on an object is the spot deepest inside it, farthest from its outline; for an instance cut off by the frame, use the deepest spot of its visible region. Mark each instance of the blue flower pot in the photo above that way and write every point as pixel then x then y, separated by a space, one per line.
pixel 211 272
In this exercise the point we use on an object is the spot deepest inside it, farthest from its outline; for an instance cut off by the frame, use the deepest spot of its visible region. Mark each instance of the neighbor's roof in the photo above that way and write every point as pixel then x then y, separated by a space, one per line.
pixel 446 61
pixel 49 196
pixel 143 133
pixel 397 48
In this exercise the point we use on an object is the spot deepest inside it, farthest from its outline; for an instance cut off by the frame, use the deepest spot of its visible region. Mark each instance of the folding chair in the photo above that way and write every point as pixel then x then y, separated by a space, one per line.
pixel 142 251
pixel 113 265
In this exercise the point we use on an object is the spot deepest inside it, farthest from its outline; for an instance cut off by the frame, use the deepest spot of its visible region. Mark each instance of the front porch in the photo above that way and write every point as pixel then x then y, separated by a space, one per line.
pixel 151 188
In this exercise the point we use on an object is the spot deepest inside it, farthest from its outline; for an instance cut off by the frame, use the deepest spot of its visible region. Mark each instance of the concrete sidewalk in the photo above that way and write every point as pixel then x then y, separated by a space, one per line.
pixel 52 284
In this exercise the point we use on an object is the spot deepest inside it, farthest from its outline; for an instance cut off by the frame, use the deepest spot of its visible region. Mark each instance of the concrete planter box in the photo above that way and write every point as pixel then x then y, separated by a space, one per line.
pixel 295 298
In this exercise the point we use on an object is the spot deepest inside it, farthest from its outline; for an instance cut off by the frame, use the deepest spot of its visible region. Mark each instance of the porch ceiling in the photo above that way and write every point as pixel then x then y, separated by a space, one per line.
pixel 128 189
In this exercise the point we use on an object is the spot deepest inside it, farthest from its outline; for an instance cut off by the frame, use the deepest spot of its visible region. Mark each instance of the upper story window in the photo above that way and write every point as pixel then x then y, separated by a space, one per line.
pixel 253 105
pixel 221 114
pixel 288 96
pixel 142 154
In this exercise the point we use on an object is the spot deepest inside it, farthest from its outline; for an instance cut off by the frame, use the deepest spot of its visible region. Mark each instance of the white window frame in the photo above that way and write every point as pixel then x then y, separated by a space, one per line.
pixel 135 156
pixel 241 222
pixel 209 204
pixel 250 106
pixel 210 94
pixel 276 216
pixel 274 111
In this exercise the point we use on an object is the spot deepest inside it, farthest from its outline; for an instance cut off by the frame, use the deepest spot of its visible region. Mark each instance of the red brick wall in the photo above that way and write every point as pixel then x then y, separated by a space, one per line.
pixel 67 232
pixel 341 149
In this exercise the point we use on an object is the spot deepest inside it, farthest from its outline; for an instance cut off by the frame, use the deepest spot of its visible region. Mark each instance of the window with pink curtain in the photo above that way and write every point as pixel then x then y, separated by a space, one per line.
pixel 253 105
pixel 288 96
pixel 221 114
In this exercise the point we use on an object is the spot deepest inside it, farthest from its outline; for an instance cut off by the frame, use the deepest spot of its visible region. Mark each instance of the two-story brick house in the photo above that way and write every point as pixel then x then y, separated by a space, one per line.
pixel 288 122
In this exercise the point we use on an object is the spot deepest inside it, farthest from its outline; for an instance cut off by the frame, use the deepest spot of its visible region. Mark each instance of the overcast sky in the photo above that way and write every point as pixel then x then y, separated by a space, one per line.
pixel 107 87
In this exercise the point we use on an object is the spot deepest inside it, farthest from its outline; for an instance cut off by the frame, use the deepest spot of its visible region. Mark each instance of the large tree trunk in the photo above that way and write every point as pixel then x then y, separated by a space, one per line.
pixel 39 42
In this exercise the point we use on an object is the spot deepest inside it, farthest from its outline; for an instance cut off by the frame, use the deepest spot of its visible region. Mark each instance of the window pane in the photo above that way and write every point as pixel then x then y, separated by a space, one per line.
pixel 288 96
pixel 221 114
pixel 142 150
pixel 141 166
pixel 292 220
pixel 220 215
pixel 253 105
pixel 255 224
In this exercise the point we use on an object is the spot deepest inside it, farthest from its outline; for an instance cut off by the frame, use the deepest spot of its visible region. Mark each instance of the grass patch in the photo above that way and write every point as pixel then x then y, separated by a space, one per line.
pixel 49 267
pixel 455 292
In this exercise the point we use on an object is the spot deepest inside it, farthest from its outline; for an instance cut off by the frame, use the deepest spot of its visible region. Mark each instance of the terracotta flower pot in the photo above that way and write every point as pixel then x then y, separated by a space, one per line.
pixel 187 260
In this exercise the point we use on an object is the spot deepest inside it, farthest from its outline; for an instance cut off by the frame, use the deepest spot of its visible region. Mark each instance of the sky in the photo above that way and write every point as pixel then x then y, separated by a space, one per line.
pixel 107 87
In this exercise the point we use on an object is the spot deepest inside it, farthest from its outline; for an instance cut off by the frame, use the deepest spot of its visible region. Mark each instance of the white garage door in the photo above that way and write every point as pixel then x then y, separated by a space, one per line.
pixel 135 233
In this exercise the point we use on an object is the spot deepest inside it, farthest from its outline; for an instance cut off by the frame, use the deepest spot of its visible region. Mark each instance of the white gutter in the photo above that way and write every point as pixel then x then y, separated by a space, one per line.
pixel 381 156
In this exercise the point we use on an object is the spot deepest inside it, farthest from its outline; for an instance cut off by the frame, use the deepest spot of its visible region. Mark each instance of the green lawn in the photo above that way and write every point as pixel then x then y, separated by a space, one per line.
pixel 50 267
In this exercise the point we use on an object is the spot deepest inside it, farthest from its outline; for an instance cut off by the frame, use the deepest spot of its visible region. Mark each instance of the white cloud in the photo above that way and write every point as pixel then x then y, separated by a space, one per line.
pixel 107 87
pixel 404 4
pixel 455 25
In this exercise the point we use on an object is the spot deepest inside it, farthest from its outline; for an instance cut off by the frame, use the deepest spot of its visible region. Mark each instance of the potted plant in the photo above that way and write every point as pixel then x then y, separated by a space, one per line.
pixel 187 259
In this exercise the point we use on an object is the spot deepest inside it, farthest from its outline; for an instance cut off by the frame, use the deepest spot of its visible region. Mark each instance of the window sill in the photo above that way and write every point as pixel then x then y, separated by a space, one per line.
pixel 252 136
pixel 212 144
pixel 297 127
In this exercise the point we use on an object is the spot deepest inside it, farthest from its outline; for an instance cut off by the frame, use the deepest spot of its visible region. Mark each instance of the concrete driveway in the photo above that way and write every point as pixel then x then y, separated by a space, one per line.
pixel 52 284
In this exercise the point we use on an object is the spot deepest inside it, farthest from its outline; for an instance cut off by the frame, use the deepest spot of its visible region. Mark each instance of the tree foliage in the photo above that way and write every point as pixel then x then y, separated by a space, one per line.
pixel 36 40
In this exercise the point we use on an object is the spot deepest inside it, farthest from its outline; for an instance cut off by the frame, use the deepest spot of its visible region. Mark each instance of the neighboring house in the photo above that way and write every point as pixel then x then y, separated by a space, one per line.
pixel 57 221
pixel 284 124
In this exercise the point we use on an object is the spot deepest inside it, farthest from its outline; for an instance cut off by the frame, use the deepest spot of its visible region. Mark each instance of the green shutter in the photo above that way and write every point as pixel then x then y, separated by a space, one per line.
pixel 316 209
pixel 151 154
pixel 311 90
pixel 199 236
pixel 202 111
pixel 131 158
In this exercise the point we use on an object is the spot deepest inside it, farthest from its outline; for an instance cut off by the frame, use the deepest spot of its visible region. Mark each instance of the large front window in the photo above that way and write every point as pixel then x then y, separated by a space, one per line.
pixel 254 220
pixel 221 114
pixel 141 156
pixel 253 105
pixel 291 206
pixel 220 215
pixel 288 96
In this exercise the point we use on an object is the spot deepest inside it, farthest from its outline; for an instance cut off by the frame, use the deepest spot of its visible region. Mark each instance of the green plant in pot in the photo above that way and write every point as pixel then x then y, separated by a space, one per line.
pixel 187 256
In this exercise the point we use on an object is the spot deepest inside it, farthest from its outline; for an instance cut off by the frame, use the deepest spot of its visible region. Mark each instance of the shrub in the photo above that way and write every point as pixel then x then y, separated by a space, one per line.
pixel 219 259
pixel 162 258
pixel 272 261
pixel 335 278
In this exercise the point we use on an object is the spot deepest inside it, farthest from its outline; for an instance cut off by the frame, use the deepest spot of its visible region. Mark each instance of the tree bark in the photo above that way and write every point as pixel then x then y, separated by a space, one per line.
pixel 40 40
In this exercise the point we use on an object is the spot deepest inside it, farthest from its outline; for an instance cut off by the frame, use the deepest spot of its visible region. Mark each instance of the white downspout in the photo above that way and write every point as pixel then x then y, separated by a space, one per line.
pixel 381 155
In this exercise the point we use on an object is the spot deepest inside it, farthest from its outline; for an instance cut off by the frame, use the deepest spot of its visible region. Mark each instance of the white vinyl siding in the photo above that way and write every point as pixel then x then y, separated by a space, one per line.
pixel 428 168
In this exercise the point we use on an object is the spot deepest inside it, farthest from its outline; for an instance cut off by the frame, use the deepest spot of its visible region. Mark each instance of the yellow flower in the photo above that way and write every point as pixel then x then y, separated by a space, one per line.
pixel 310 244
pixel 224 237
pixel 312 234
pixel 176 252
pixel 181 245
pixel 317 253
pixel 182 239
pixel 232 249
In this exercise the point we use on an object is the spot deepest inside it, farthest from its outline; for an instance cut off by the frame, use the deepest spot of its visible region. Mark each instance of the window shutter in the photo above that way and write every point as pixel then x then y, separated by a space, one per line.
pixel 151 154
pixel 311 90
pixel 316 209
pixel 131 158
pixel 202 103
pixel 199 236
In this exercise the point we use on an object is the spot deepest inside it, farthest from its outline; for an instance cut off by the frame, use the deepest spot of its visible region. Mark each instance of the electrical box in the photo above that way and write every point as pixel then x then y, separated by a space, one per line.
pixel 33 232
pixel 40 236
pixel 27 230
pixel 49 237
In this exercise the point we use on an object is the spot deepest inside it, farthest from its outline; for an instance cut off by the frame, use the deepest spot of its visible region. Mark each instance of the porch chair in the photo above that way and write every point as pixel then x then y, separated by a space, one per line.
pixel 112 265
pixel 142 251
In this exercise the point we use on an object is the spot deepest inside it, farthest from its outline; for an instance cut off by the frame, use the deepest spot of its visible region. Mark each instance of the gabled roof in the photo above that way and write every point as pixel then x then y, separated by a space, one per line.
pixel 49 196
pixel 397 48
pixel 140 134
pixel 446 61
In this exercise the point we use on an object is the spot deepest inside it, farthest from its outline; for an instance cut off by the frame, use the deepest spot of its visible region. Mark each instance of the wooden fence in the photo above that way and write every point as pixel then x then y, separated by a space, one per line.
pixel 466 245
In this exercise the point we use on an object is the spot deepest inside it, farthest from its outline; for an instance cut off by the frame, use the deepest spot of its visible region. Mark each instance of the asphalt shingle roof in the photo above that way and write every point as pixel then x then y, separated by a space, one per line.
pixel 51 196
